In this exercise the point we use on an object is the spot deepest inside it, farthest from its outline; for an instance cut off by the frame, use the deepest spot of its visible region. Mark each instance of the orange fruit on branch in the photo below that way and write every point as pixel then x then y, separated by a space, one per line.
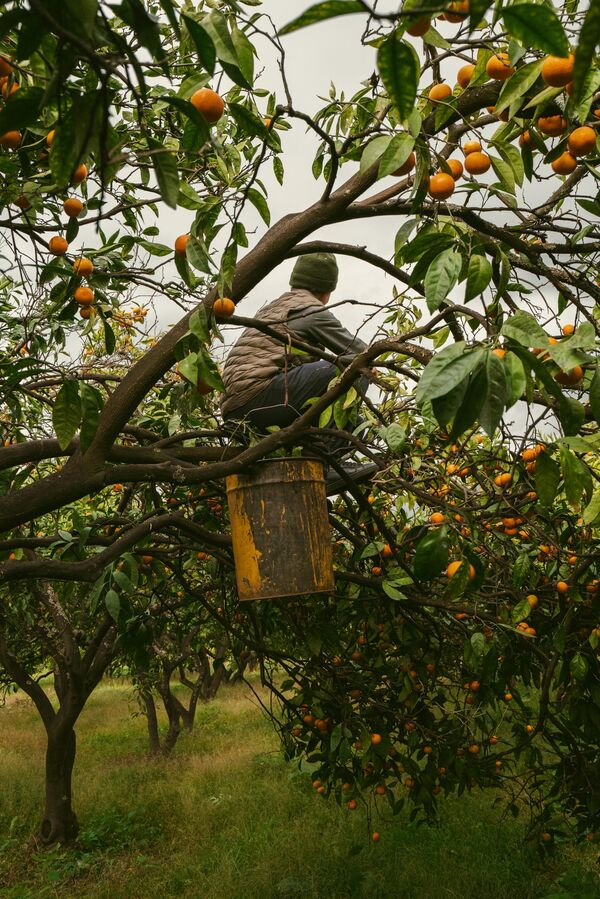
pixel 11 140
pixel 5 67
pixel 73 207
pixel 456 167
pixel 471 146
pixel 57 245
pixel 582 141
pixel 568 330
pixel 440 92
pixel 80 174
pixel 564 164
pixel 525 139
pixel 86 311
pixel 477 163
pixel 454 566
pixel 499 68
pixel 50 138
pixel 570 378
pixel 84 296
pixel 557 71
pixel 223 307
pixel 441 186
pixel 83 266
pixel 419 27
pixel 7 91
pixel 181 244
pixel 209 104
pixel 458 10
pixel 465 73
pixel 552 125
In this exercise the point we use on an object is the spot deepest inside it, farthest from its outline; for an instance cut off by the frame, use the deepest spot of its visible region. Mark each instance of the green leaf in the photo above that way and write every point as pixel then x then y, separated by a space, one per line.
pixel 188 368
pixel 91 407
pixel 579 667
pixel 513 158
pixel 73 133
pixel 575 474
pixel 66 412
pixel 84 13
pixel 504 173
pixel 445 407
pixel 203 43
pixel 521 569
pixel 247 122
pixel 538 26
pixel 479 275
pixel 431 554
pixel 321 11
pixel 441 277
pixel 517 379
pixel 472 403
pixel 216 25
pixel 399 67
pixel 518 84
pixel 595 394
pixel 395 436
pixel 523 328
pixel 547 479
pixel 113 604
pixel 244 52
pixel 190 111
pixel 589 38
pixel 446 370
pixel 495 400
pixel 477 10
pixel 110 340
pixel 374 151
pixel 591 513
pixel 166 171
pixel 21 109
pixel 145 26
pixel 199 324
pixel 260 204
pixel 398 150
pixel 522 610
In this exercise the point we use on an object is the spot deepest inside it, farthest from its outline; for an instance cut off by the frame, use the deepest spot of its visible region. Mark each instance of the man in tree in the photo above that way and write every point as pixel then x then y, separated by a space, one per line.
pixel 266 382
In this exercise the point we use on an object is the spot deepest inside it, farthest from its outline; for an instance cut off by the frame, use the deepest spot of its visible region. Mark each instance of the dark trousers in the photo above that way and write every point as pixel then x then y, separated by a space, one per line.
pixel 282 400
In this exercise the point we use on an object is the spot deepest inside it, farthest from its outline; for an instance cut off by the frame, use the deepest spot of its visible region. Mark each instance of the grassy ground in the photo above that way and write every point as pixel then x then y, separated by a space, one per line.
pixel 226 818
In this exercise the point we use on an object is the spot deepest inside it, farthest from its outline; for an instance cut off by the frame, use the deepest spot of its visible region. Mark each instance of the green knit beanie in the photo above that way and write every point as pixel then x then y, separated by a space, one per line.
pixel 317 272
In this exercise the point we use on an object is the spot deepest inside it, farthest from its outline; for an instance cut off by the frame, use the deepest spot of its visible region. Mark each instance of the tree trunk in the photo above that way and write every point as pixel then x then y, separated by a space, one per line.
pixel 59 824
pixel 152 721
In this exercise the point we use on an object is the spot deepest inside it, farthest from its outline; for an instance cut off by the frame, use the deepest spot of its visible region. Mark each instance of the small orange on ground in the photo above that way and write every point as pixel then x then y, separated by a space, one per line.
pixel 11 140
pixel 557 71
pixel 406 167
pixel 582 141
pixel 471 146
pixel 456 167
pixel 50 138
pixel 440 92
pixel 84 296
pixel 508 697
pixel 477 163
pixel 73 207
pixel 351 804
pixel 465 73
pixel 83 266
pixel 181 244
pixel 375 836
pixel 454 566
pixel 562 587
pixel 552 125
pixel 499 68
pixel 223 307
pixel 380 790
pixel 57 245
pixel 441 186
pixel 419 27
pixel 564 164
pixel 568 330
pixel 80 174
pixel 209 104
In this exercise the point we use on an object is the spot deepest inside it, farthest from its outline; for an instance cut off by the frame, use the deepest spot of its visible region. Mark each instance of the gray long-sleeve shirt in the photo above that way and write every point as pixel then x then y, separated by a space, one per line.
pixel 321 328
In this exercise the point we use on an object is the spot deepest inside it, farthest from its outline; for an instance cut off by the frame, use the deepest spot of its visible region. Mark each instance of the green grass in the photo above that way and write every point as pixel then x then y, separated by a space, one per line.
pixel 227 818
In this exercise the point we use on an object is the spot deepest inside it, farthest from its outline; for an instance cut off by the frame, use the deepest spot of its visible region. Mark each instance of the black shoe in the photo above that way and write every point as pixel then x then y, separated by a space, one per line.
pixel 356 471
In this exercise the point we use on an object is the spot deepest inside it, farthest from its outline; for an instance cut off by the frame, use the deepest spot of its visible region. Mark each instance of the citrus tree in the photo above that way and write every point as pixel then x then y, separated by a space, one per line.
pixel 460 648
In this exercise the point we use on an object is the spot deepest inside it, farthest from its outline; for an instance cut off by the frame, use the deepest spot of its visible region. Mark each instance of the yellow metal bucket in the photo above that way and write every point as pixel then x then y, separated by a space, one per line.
pixel 280 529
